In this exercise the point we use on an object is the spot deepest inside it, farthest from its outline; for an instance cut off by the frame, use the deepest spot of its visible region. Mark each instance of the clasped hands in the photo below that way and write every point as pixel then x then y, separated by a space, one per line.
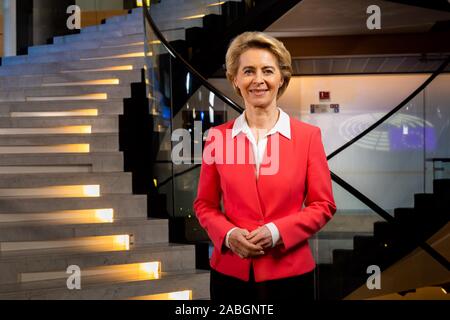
pixel 250 244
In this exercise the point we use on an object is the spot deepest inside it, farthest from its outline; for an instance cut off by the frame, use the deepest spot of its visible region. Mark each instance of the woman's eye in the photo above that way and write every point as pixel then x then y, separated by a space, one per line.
pixel 247 72
pixel 268 71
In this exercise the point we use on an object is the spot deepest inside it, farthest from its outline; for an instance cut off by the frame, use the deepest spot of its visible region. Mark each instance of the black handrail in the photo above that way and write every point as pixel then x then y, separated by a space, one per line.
pixel 393 111
pixel 364 199
pixel 191 69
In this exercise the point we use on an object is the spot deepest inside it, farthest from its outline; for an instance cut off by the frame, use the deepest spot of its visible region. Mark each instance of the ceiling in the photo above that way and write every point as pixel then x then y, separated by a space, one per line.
pixel 368 65
pixel 348 17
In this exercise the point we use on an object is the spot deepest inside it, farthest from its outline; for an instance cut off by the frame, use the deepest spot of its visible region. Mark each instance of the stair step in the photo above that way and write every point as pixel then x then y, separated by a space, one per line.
pixel 99 124
pixel 436 204
pixel 109 182
pixel 102 92
pixel 405 215
pixel 100 215
pixel 442 187
pixel 96 162
pixel 123 18
pixel 81 45
pixel 109 107
pixel 365 245
pixel 114 26
pixel 197 281
pixel 97 142
pixel 342 257
pixel 146 270
pixel 70 79
pixel 99 35
pixel 383 230
pixel 110 242
pixel 113 41
pixel 124 205
pixel 144 231
pixel 173 257
pixel 105 65
pixel 72 55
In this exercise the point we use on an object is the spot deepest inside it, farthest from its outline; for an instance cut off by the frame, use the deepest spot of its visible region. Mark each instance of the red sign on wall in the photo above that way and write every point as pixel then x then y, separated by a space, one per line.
pixel 324 95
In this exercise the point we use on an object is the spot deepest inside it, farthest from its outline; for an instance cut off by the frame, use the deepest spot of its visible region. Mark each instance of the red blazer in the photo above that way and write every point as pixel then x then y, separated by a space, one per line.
pixel 303 178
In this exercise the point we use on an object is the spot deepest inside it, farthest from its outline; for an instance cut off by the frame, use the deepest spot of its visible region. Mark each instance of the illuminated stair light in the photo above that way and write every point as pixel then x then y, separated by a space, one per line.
pixel 104 215
pixel 178 295
pixel 83 83
pixel 72 113
pixel 122 242
pixel 198 16
pixel 150 270
pixel 63 217
pixel 92 96
pixel 84 168
pixel 89 191
pixel 124 45
pixel 155 42
pixel 66 148
pixel 55 130
pixel 216 4
pixel 115 68
pixel 140 4
pixel 119 56
pixel 123 272
pixel 84 244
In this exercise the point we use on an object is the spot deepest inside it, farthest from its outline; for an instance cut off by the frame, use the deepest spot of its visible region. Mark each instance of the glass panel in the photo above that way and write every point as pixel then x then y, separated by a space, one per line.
pixel 361 256
pixel 437 113
pixel 394 152
pixel 178 101
pixel 179 19
pixel 203 110
pixel 359 100
pixel 352 224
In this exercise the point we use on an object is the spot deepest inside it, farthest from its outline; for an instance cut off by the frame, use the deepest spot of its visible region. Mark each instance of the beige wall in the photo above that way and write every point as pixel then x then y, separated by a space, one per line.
pixel 89 18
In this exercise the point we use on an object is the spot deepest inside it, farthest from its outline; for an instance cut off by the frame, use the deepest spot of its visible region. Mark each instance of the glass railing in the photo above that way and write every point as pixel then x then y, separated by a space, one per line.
pixel 182 103
pixel 395 161
pixel 174 17
pixel 387 160
pixel 399 149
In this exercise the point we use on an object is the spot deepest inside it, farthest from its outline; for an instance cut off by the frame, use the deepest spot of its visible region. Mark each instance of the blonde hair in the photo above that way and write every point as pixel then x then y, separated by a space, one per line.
pixel 260 40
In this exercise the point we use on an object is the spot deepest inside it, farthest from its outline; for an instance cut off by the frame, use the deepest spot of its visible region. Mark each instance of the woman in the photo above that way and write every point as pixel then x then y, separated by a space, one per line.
pixel 261 236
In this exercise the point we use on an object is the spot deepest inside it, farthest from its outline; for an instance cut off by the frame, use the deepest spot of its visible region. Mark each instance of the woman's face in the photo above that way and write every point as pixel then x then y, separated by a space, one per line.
pixel 258 78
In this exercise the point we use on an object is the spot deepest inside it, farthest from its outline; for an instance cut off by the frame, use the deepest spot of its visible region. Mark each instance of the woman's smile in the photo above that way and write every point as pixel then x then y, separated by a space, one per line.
pixel 258 78
pixel 258 92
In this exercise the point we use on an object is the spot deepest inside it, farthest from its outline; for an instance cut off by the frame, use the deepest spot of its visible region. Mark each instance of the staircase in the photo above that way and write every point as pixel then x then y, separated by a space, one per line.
pixel 65 199
pixel 389 244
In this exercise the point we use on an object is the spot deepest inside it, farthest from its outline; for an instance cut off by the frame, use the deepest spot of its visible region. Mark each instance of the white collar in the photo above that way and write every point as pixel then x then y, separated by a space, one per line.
pixel 283 125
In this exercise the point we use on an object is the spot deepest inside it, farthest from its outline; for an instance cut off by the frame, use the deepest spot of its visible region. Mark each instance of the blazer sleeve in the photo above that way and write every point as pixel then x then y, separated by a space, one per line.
pixel 319 202
pixel 207 202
